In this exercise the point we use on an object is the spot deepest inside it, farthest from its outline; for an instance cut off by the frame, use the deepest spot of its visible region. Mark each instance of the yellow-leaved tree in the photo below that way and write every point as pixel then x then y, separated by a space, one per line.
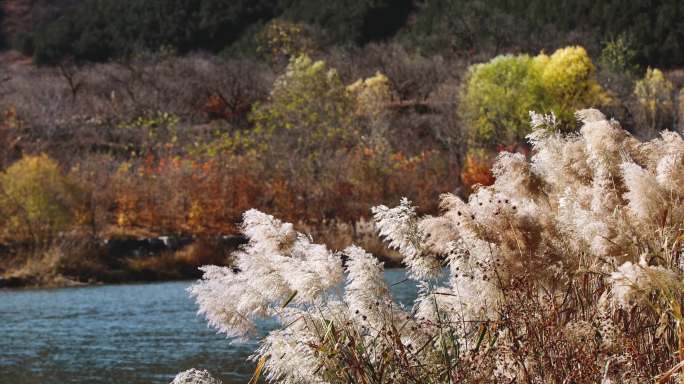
pixel 497 96
pixel 37 200
pixel 568 78
pixel 372 95
pixel 654 106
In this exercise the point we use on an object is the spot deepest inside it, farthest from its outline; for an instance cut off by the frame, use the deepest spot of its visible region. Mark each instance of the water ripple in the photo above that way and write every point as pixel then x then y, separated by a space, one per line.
pixel 133 334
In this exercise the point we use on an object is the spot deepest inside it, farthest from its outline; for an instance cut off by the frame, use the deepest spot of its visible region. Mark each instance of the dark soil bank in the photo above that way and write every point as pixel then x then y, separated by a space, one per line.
pixel 116 260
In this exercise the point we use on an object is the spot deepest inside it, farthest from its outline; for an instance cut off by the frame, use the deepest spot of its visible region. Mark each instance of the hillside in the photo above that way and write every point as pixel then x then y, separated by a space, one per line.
pixel 99 30
pixel 171 118
pixel 20 16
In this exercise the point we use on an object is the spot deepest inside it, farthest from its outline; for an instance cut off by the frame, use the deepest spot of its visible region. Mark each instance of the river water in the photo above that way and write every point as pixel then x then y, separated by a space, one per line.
pixel 134 333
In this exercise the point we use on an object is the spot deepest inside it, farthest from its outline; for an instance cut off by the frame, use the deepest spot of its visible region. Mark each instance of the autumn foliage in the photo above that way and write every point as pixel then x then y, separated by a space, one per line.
pixel 176 196
pixel 167 145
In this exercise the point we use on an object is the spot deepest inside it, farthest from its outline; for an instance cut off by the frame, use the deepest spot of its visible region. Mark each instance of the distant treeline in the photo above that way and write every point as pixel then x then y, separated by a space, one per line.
pixel 99 30
pixel 3 35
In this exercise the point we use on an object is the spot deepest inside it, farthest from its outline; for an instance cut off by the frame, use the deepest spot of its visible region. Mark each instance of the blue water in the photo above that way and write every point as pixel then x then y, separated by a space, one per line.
pixel 136 333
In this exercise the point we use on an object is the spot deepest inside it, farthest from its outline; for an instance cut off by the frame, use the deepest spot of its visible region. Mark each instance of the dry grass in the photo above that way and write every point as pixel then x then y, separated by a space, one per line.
pixel 65 262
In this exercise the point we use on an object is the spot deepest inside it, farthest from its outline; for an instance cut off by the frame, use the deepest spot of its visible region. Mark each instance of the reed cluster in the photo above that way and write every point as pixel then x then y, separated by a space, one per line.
pixel 568 269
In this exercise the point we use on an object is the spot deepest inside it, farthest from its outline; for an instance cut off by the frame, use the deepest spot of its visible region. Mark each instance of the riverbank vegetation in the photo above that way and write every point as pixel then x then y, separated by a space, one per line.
pixel 566 269
pixel 149 128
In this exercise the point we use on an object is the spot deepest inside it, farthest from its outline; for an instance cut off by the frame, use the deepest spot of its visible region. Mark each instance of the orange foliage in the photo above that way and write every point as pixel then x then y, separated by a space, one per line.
pixel 477 171
pixel 170 195
pixel 478 164
pixel 217 107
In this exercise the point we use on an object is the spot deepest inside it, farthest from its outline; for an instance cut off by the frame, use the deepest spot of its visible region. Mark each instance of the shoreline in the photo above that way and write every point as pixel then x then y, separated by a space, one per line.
pixel 78 285
pixel 125 260
pixel 81 261
pixel 69 284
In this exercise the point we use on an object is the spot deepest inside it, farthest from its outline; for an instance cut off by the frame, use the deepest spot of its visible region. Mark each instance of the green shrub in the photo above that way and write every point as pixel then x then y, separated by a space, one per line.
pixel 498 95
pixel 37 200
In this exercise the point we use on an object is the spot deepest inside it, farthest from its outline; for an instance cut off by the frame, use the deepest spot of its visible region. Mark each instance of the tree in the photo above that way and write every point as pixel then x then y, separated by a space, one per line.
pixel 309 109
pixel 654 106
pixel 38 200
pixel 497 96
pixel 305 128
pixel 568 80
